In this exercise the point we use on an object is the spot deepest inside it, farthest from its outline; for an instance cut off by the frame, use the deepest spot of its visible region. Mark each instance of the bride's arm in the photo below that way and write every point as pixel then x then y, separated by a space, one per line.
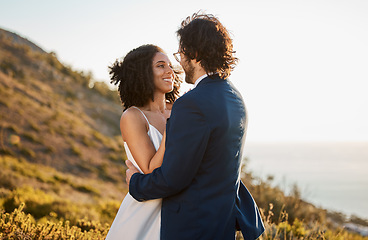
pixel 134 129
pixel 156 161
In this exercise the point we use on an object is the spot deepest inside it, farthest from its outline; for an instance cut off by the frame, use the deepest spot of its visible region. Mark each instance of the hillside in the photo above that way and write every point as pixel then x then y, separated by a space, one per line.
pixel 61 155
pixel 57 134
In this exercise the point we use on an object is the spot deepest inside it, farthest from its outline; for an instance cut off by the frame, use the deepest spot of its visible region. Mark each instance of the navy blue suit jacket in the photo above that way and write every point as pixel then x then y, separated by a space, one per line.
pixel 203 197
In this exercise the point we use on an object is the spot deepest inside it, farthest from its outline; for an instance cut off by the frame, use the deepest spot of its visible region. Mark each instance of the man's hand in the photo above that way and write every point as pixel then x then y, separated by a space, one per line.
pixel 130 171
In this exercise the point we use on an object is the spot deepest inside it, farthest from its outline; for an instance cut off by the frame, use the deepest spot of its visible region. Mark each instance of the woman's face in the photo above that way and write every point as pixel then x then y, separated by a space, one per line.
pixel 163 75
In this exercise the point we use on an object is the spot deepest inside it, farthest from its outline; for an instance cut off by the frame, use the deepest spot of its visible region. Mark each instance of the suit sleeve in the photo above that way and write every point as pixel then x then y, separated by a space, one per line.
pixel 186 141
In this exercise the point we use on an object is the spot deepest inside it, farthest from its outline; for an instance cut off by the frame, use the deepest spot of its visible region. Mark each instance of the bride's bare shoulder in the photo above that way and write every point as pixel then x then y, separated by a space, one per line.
pixel 132 116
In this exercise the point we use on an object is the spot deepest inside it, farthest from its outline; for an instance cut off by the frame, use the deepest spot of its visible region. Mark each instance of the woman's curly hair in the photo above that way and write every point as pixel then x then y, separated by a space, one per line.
pixel 204 38
pixel 135 77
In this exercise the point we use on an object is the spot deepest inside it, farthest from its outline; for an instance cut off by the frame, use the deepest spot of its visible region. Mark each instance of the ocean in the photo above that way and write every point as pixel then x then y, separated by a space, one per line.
pixel 331 175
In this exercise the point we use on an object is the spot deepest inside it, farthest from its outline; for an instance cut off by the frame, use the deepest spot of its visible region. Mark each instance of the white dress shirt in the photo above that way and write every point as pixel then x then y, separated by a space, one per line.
pixel 198 80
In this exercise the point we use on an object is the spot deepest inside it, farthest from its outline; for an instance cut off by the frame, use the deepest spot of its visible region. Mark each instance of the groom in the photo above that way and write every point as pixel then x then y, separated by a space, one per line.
pixel 203 197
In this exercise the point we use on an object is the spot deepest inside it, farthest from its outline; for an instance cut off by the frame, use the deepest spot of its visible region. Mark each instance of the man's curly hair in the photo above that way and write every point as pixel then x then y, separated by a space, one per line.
pixel 135 77
pixel 204 38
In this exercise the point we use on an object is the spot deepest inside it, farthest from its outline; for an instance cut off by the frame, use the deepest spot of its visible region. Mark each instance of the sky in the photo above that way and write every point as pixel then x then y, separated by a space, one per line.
pixel 303 69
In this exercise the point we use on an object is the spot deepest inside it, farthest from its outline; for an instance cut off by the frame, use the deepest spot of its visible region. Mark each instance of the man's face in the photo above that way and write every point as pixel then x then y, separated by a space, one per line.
pixel 188 68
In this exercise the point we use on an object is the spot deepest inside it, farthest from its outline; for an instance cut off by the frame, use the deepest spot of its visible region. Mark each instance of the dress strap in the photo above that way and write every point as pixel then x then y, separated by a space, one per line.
pixel 142 114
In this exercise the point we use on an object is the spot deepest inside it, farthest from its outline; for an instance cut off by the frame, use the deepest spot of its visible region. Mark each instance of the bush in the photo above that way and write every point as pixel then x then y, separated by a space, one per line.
pixel 37 202
pixel 7 180
pixel 27 152
pixel 9 68
pixel 102 89
pixel 19 225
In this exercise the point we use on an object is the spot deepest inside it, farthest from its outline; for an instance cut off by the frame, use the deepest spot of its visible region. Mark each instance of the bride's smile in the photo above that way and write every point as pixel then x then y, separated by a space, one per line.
pixel 163 74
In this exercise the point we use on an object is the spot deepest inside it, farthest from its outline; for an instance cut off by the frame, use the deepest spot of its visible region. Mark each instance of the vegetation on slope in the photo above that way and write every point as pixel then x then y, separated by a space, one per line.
pixel 61 157
pixel 60 144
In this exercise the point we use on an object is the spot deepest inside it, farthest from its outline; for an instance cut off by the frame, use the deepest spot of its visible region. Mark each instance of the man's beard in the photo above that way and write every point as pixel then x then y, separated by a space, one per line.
pixel 189 72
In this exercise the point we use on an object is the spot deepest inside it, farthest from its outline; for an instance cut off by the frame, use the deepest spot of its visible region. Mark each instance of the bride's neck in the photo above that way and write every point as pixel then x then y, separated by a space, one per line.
pixel 158 105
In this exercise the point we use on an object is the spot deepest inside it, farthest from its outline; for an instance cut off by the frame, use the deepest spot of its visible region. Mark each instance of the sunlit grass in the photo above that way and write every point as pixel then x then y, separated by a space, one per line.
pixel 61 158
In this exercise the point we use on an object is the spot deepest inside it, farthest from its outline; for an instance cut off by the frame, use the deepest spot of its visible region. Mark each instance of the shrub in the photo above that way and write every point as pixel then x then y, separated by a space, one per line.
pixel 7 180
pixel 19 225
pixel 76 150
pixel 27 152
pixel 32 137
pixel 9 68
pixel 86 189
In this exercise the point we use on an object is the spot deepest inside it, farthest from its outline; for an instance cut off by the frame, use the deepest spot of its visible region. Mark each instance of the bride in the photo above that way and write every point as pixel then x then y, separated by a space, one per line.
pixel 148 86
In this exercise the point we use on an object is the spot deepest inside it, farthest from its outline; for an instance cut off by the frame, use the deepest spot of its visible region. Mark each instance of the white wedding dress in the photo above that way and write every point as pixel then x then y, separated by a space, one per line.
pixel 138 220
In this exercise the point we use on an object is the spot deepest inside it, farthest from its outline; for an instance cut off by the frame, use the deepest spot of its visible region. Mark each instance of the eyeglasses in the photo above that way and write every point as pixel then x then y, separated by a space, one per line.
pixel 177 56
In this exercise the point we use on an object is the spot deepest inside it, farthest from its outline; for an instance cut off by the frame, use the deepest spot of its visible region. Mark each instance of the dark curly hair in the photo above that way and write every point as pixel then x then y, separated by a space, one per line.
pixel 204 38
pixel 135 77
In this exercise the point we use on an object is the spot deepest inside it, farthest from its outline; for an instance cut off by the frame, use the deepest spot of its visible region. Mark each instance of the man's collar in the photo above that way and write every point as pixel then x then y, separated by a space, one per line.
pixel 199 79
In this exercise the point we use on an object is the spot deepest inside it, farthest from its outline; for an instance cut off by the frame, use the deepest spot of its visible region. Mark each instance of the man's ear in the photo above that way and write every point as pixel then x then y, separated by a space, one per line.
pixel 196 56
pixel 195 62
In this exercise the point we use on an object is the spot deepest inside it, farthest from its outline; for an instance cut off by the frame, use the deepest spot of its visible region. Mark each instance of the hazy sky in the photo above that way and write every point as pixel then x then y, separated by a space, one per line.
pixel 303 68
